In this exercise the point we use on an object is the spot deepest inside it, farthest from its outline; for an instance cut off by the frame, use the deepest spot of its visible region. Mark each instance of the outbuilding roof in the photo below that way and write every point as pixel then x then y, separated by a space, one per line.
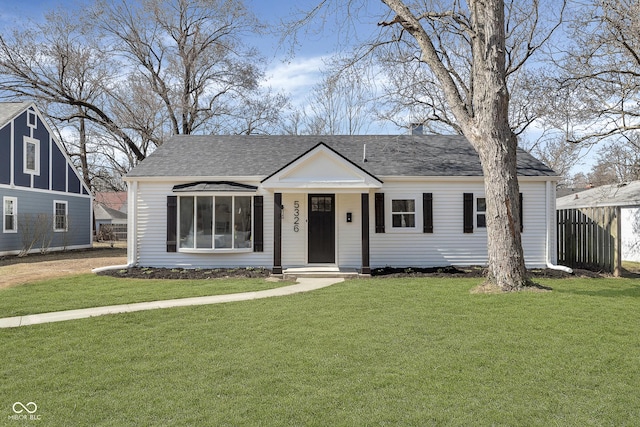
pixel 627 194
pixel 379 155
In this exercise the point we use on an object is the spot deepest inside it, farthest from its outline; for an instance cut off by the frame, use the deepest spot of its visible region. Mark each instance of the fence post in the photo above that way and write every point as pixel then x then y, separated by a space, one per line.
pixel 617 241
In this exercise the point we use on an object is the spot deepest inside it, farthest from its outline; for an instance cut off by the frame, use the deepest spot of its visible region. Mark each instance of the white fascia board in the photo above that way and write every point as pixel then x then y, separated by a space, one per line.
pixel 475 178
pixel 187 179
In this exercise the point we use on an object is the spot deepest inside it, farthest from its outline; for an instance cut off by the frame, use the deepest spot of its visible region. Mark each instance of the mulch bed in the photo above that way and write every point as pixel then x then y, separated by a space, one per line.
pixel 258 272
pixel 187 273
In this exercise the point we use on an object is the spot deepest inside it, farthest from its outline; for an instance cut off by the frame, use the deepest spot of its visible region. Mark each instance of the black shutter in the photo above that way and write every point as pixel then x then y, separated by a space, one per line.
pixel 379 206
pixel 172 223
pixel 521 214
pixel 366 268
pixel 427 212
pixel 468 212
pixel 258 224
pixel 277 233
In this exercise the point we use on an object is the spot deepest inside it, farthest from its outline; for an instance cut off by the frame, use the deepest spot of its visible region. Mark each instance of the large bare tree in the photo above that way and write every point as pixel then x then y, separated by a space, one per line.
pixel 476 92
pixel 141 71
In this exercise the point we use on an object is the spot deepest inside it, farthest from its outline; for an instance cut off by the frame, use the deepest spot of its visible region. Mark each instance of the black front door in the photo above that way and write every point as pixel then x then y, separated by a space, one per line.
pixel 322 225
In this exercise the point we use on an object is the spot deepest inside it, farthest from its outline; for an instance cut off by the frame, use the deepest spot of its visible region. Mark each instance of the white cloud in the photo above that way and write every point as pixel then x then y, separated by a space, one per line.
pixel 295 77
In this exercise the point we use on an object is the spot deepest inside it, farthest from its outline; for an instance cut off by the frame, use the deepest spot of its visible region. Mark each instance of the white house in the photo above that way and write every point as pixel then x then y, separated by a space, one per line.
pixel 626 197
pixel 356 202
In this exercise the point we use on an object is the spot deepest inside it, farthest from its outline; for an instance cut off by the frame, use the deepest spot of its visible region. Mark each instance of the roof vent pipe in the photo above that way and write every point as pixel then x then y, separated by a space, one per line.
pixel 364 153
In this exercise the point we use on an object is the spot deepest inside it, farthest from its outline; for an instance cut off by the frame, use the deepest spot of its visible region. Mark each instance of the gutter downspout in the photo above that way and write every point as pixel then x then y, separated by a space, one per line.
pixel 548 240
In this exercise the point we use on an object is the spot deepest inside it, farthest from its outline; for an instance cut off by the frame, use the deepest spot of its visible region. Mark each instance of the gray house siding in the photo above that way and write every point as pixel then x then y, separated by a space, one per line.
pixel 55 179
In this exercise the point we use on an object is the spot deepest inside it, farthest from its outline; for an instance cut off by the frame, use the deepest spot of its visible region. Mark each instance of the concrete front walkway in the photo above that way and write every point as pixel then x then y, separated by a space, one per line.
pixel 303 285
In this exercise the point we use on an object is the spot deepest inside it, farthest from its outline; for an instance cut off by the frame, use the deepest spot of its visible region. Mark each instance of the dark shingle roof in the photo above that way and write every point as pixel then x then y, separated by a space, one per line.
pixel 258 155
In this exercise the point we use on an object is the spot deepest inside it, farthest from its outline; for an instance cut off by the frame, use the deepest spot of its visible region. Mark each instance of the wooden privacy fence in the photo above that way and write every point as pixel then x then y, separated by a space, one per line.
pixel 590 238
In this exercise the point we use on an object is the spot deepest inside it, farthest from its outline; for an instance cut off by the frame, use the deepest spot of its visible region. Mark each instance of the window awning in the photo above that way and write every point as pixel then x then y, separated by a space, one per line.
pixel 214 186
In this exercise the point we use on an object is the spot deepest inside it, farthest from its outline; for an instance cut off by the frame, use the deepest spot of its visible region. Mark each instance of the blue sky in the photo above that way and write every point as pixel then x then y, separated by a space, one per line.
pixel 295 75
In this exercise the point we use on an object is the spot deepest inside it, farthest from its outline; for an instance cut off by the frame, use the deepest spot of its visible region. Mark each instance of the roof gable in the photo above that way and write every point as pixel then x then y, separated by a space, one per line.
pixel 23 121
pixel 319 167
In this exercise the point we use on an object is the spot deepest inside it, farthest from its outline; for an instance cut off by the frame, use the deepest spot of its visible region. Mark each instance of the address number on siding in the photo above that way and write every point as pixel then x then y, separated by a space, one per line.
pixel 296 216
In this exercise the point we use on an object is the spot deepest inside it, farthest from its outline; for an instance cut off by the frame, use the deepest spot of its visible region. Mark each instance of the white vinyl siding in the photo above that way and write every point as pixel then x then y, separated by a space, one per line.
pixel 151 225
pixel 448 245
pixel 294 230
pixel 350 233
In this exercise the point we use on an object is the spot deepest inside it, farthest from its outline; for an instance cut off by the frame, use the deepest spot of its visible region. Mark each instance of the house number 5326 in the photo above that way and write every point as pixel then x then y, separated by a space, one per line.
pixel 296 216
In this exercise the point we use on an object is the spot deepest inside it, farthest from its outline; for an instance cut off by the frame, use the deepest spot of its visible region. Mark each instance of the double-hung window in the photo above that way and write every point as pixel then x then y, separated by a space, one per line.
pixel 60 218
pixel 481 212
pixel 10 215
pixel 215 222
pixel 403 213
pixel 31 160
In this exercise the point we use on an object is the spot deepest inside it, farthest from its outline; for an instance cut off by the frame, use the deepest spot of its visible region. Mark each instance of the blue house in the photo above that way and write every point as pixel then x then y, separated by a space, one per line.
pixel 45 204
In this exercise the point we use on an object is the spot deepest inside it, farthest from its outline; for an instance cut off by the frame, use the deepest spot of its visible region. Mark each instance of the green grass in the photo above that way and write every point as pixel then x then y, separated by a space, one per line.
pixel 90 290
pixel 366 352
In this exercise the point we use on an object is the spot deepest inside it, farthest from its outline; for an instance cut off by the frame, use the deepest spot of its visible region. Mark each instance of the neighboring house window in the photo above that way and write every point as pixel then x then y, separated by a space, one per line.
pixel 60 218
pixel 31 156
pixel 481 212
pixel 10 215
pixel 214 222
pixel 31 119
pixel 403 213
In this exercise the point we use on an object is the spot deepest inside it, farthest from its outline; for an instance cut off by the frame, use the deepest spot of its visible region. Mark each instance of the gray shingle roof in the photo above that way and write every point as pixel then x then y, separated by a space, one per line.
pixel 8 110
pixel 259 155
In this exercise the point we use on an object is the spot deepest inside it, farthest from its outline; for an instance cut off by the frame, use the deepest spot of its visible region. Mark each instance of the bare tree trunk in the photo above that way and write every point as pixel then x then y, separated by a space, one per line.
pixel 506 267
pixel 491 135
pixel 84 164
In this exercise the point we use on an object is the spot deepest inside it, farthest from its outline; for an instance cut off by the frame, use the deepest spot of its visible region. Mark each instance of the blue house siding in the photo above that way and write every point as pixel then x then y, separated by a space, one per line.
pixel 42 180
pixel 20 129
pixel 73 185
pixel 5 155
pixel 30 204
pixel 54 180
pixel 59 171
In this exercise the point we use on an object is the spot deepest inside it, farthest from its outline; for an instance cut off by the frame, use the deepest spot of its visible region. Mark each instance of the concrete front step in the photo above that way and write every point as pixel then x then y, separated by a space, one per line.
pixel 316 272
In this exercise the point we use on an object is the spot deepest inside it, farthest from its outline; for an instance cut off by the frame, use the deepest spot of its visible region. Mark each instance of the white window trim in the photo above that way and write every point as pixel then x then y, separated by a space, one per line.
pixel 418 212
pixel 15 214
pixel 31 114
pixel 476 213
pixel 28 140
pixel 66 220
pixel 213 195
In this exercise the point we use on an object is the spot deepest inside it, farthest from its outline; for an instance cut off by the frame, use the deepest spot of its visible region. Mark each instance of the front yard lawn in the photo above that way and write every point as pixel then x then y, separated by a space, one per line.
pixel 90 290
pixel 364 352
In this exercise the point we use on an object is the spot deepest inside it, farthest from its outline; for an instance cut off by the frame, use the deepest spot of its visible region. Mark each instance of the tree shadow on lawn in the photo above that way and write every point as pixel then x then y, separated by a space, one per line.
pixel 624 288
